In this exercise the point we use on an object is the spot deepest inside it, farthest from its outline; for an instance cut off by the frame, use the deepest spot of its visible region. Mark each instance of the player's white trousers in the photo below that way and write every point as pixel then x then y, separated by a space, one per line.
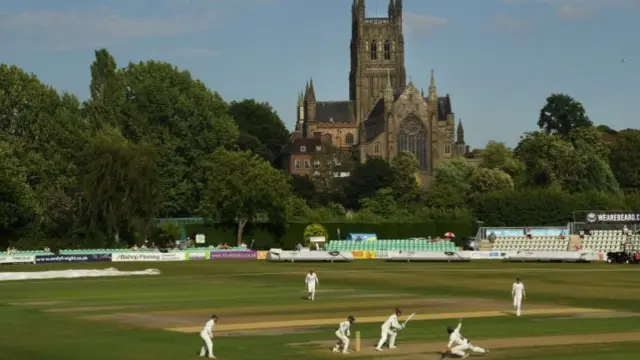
pixel 311 289
pixel 345 340
pixel 460 350
pixel 387 334
pixel 207 346
pixel 517 304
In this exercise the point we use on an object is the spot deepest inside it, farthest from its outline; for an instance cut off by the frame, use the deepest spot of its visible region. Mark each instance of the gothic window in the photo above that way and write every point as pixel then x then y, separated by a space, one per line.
pixel 376 148
pixel 374 50
pixel 413 137
pixel 387 50
pixel 447 148
pixel 349 139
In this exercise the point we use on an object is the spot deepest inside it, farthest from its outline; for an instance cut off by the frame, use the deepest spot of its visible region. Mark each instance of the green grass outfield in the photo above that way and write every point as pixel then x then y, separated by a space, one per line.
pixel 573 311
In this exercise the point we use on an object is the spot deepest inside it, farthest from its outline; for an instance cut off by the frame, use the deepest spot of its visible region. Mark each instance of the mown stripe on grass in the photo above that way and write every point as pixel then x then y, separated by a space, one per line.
pixel 373 319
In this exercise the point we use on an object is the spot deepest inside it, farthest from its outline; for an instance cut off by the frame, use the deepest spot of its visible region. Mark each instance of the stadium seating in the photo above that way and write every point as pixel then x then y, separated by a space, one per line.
pixel 536 243
pixel 606 240
pixel 419 244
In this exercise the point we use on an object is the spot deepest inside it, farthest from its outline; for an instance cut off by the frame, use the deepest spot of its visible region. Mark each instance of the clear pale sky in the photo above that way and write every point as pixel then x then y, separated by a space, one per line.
pixel 498 59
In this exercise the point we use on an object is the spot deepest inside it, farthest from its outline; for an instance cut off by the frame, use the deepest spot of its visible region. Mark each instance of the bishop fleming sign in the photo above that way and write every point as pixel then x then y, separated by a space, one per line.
pixel 613 217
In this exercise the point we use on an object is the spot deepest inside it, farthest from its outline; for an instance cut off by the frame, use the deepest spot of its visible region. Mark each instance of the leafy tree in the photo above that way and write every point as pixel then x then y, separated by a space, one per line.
pixel 444 196
pixel 366 179
pixel 247 142
pixel 405 166
pixel 549 160
pixel 107 92
pixel 486 180
pixel 455 173
pixel 240 186
pixel 382 203
pixel 625 159
pixel 589 140
pixel 120 182
pixel 327 164
pixel 18 205
pixel 496 155
pixel 304 187
pixel 259 120
pixel 185 122
pixel 314 230
pixel 561 114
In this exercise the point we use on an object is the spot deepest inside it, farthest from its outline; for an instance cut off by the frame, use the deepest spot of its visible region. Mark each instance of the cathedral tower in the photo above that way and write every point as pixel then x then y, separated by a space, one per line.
pixel 377 54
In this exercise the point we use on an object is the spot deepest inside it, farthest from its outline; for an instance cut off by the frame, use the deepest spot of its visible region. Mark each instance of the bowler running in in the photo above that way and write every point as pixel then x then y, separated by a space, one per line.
pixel 518 293
pixel 343 333
pixel 390 330
pixel 460 343
pixel 207 337
pixel 312 281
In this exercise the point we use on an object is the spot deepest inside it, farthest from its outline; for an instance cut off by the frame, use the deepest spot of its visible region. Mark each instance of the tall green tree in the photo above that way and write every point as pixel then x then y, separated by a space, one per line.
pixel 405 185
pixel 107 90
pixel 366 179
pixel 241 186
pixel 183 120
pixel 261 121
pixel 625 159
pixel 120 182
pixel 496 155
pixel 561 114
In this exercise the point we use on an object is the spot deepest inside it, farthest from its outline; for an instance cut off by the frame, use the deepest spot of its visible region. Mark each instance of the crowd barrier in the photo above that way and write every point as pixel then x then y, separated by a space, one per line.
pixel 279 255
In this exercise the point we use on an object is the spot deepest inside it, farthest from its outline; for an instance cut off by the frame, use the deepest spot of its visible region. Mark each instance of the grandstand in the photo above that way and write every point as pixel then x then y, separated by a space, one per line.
pixel 416 244
pixel 608 240
pixel 535 243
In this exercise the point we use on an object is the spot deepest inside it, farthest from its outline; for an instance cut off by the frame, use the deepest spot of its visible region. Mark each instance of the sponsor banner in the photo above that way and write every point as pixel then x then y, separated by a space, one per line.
pixel 487 255
pixel 505 232
pixel 362 237
pixel 198 255
pixel 550 231
pixel 46 259
pixel 363 255
pixel 17 259
pixel 262 255
pixel 149 256
pixel 234 255
pixel 612 217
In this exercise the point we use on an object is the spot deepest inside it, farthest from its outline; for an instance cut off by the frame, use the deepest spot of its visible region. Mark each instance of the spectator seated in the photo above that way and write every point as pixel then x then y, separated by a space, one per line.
pixel 415 244
pixel 535 243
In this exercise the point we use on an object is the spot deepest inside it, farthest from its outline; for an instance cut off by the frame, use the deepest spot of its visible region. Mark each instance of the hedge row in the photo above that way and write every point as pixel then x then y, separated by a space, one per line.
pixel 267 237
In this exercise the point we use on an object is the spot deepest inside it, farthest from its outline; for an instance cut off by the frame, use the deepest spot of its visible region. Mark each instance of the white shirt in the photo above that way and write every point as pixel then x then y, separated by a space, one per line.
pixel 208 328
pixel 392 322
pixel 517 290
pixel 344 328
pixel 311 279
pixel 456 338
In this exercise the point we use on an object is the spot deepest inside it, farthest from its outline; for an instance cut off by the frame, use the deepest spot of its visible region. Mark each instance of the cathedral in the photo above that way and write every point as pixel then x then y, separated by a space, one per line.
pixel 384 115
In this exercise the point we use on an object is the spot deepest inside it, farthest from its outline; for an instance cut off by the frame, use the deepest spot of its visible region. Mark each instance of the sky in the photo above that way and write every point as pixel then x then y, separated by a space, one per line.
pixel 498 59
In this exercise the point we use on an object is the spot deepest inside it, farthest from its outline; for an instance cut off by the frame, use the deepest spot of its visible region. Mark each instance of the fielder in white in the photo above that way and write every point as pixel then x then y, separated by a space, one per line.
pixel 343 333
pixel 207 337
pixel 390 331
pixel 312 281
pixel 518 293
pixel 461 343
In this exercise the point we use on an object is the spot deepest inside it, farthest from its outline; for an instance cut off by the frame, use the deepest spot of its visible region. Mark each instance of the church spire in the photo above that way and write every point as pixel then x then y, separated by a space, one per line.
pixel 433 92
pixel 460 133
pixel 311 93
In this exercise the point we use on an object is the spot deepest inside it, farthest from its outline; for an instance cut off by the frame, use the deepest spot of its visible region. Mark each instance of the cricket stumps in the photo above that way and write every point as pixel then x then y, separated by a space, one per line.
pixel 357 347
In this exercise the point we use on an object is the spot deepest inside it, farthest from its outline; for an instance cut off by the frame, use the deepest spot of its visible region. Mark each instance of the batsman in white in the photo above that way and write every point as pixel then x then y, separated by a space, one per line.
pixel 390 330
pixel 518 293
pixel 461 343
pixel 312 281
pixel 207 337
pixel 343 333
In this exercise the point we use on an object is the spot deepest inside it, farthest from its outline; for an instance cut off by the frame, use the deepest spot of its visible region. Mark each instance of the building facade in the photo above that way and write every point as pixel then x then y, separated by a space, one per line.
pixel 384 114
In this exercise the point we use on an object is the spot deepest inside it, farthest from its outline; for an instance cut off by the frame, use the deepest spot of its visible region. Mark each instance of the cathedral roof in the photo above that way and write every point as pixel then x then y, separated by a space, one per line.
pixel 335 111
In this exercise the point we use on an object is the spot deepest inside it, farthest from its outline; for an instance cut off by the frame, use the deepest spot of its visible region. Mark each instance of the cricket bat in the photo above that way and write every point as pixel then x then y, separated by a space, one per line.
pixel 357 347
pixel 406 321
